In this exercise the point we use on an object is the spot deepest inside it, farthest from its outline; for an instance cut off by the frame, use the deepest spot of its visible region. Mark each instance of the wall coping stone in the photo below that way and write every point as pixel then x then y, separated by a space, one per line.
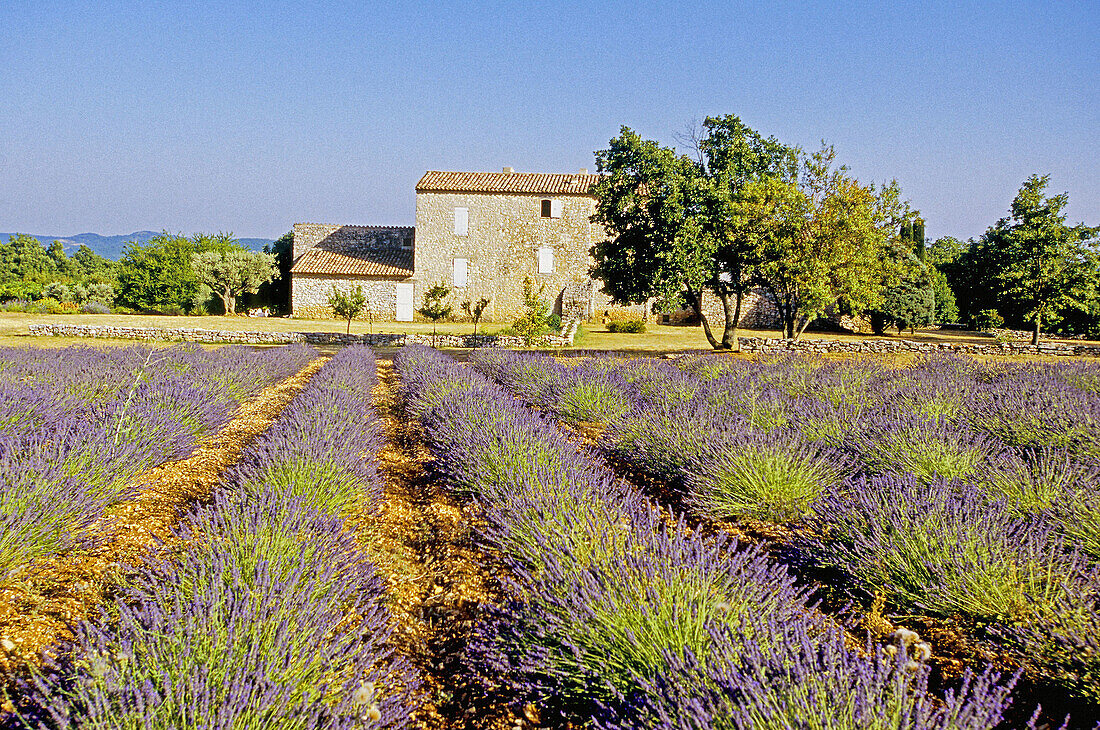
pixel 195 334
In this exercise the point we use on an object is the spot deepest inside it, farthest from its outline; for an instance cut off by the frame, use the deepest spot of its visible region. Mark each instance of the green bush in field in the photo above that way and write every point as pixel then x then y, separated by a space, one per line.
pixel 631 326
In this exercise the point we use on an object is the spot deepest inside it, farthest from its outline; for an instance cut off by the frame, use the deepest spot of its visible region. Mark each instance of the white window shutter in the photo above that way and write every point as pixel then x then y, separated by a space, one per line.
pixel 555 209
pixel 546 260
pixel 462 221
pixel 461 272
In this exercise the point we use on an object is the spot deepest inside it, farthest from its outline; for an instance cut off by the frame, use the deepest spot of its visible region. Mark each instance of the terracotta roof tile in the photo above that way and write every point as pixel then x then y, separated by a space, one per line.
pixel 506 182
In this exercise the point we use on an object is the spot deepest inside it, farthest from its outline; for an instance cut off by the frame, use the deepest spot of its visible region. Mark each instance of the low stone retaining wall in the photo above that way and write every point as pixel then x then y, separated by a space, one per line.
pixel 188 334
pixel 748 344
pixel 763 344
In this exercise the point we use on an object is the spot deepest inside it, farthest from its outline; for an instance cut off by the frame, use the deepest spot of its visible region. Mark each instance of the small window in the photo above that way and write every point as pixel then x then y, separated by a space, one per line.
pixel 461 276
pixel 551 208
pixel 462 221
pixel 546 260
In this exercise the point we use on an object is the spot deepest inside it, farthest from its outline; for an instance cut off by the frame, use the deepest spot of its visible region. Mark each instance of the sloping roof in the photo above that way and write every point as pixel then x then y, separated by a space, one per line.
pixel 506 182
pixel 354 251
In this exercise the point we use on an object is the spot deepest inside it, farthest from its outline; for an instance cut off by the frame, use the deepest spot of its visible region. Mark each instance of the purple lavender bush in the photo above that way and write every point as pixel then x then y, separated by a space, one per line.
pixel 595 634
pixel 79 426
pixel 1040 479
pixel 272 617
pixel 931 546
pixel 320 445
pixel 807 677
pixel 1062 641
pixel 929 449
pixel 745 473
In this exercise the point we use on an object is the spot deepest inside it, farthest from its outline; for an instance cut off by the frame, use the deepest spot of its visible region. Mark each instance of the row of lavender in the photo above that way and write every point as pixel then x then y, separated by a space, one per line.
pixel 948 488
pixel 267 613
pixel 619 617
pixel 78 424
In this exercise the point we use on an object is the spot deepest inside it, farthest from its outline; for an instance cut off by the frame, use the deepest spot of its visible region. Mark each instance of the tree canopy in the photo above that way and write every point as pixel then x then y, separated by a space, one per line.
pixel 1044 266
pixel 824 239
pixel 1031 267
pixel 27 268
pixel 157 274
pixel 347 303
pixel 747 211
pixel 675 223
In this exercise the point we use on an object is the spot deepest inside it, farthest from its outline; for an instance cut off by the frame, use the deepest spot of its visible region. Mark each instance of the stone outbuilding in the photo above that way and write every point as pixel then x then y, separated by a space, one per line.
pixel 377 258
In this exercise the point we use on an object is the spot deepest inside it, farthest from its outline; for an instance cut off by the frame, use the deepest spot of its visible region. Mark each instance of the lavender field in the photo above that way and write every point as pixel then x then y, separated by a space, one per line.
pixel 700 543
pixel 945 494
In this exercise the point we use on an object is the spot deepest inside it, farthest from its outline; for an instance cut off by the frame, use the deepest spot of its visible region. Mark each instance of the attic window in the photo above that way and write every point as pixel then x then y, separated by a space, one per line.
pixel 551 208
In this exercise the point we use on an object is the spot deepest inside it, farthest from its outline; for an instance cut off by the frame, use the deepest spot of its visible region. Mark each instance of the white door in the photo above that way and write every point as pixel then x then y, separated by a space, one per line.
pixel 404 301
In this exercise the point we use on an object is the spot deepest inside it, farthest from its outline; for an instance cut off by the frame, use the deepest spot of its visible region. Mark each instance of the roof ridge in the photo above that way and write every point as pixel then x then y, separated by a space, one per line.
pixel 355 225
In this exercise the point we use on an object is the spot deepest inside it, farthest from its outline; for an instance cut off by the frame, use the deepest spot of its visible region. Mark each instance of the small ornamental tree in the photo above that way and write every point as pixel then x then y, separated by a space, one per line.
pixel 435 308
pixel 234 272
pixel 347 304
pixel 827 239
pixel 532 323
pixel 474 311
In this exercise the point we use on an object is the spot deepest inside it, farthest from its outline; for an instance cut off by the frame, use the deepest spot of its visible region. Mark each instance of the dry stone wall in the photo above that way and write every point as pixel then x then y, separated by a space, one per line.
pixel 190 334
pixel 883 346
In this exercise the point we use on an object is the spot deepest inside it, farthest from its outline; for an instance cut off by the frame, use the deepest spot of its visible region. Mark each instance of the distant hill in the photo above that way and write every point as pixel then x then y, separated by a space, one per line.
pixel 110 247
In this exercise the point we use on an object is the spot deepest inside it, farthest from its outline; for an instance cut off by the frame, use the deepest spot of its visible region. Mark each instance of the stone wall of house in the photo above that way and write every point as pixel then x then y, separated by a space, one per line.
pixel 310 293
pixel 502 247
pixel 308 235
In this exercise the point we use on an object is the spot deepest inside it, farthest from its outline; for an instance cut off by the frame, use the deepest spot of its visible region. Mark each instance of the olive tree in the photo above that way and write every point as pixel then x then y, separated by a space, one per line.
pixel 233 272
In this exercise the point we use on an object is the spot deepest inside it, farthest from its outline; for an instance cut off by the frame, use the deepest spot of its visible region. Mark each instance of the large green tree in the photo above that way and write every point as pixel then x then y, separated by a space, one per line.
pixel 157 274
pixel 675 224
pixel 827 239
pixel 1044 265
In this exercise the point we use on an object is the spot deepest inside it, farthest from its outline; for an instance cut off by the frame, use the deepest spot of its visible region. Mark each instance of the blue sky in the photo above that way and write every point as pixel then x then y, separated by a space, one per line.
pixel 249 117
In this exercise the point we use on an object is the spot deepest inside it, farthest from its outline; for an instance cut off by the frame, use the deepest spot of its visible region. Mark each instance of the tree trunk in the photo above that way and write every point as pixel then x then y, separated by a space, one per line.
pixel 227 302
pixel 349 325
pixel 730 340
pixel 803 323
pixel 696 299
pixel 1035 334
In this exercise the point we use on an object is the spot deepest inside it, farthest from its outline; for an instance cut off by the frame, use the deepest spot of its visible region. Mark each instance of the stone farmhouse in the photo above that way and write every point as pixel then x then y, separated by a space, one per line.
pixel 480 233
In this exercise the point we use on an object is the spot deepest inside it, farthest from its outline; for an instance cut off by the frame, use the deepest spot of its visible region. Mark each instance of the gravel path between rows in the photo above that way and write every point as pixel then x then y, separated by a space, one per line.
pixel 437 579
